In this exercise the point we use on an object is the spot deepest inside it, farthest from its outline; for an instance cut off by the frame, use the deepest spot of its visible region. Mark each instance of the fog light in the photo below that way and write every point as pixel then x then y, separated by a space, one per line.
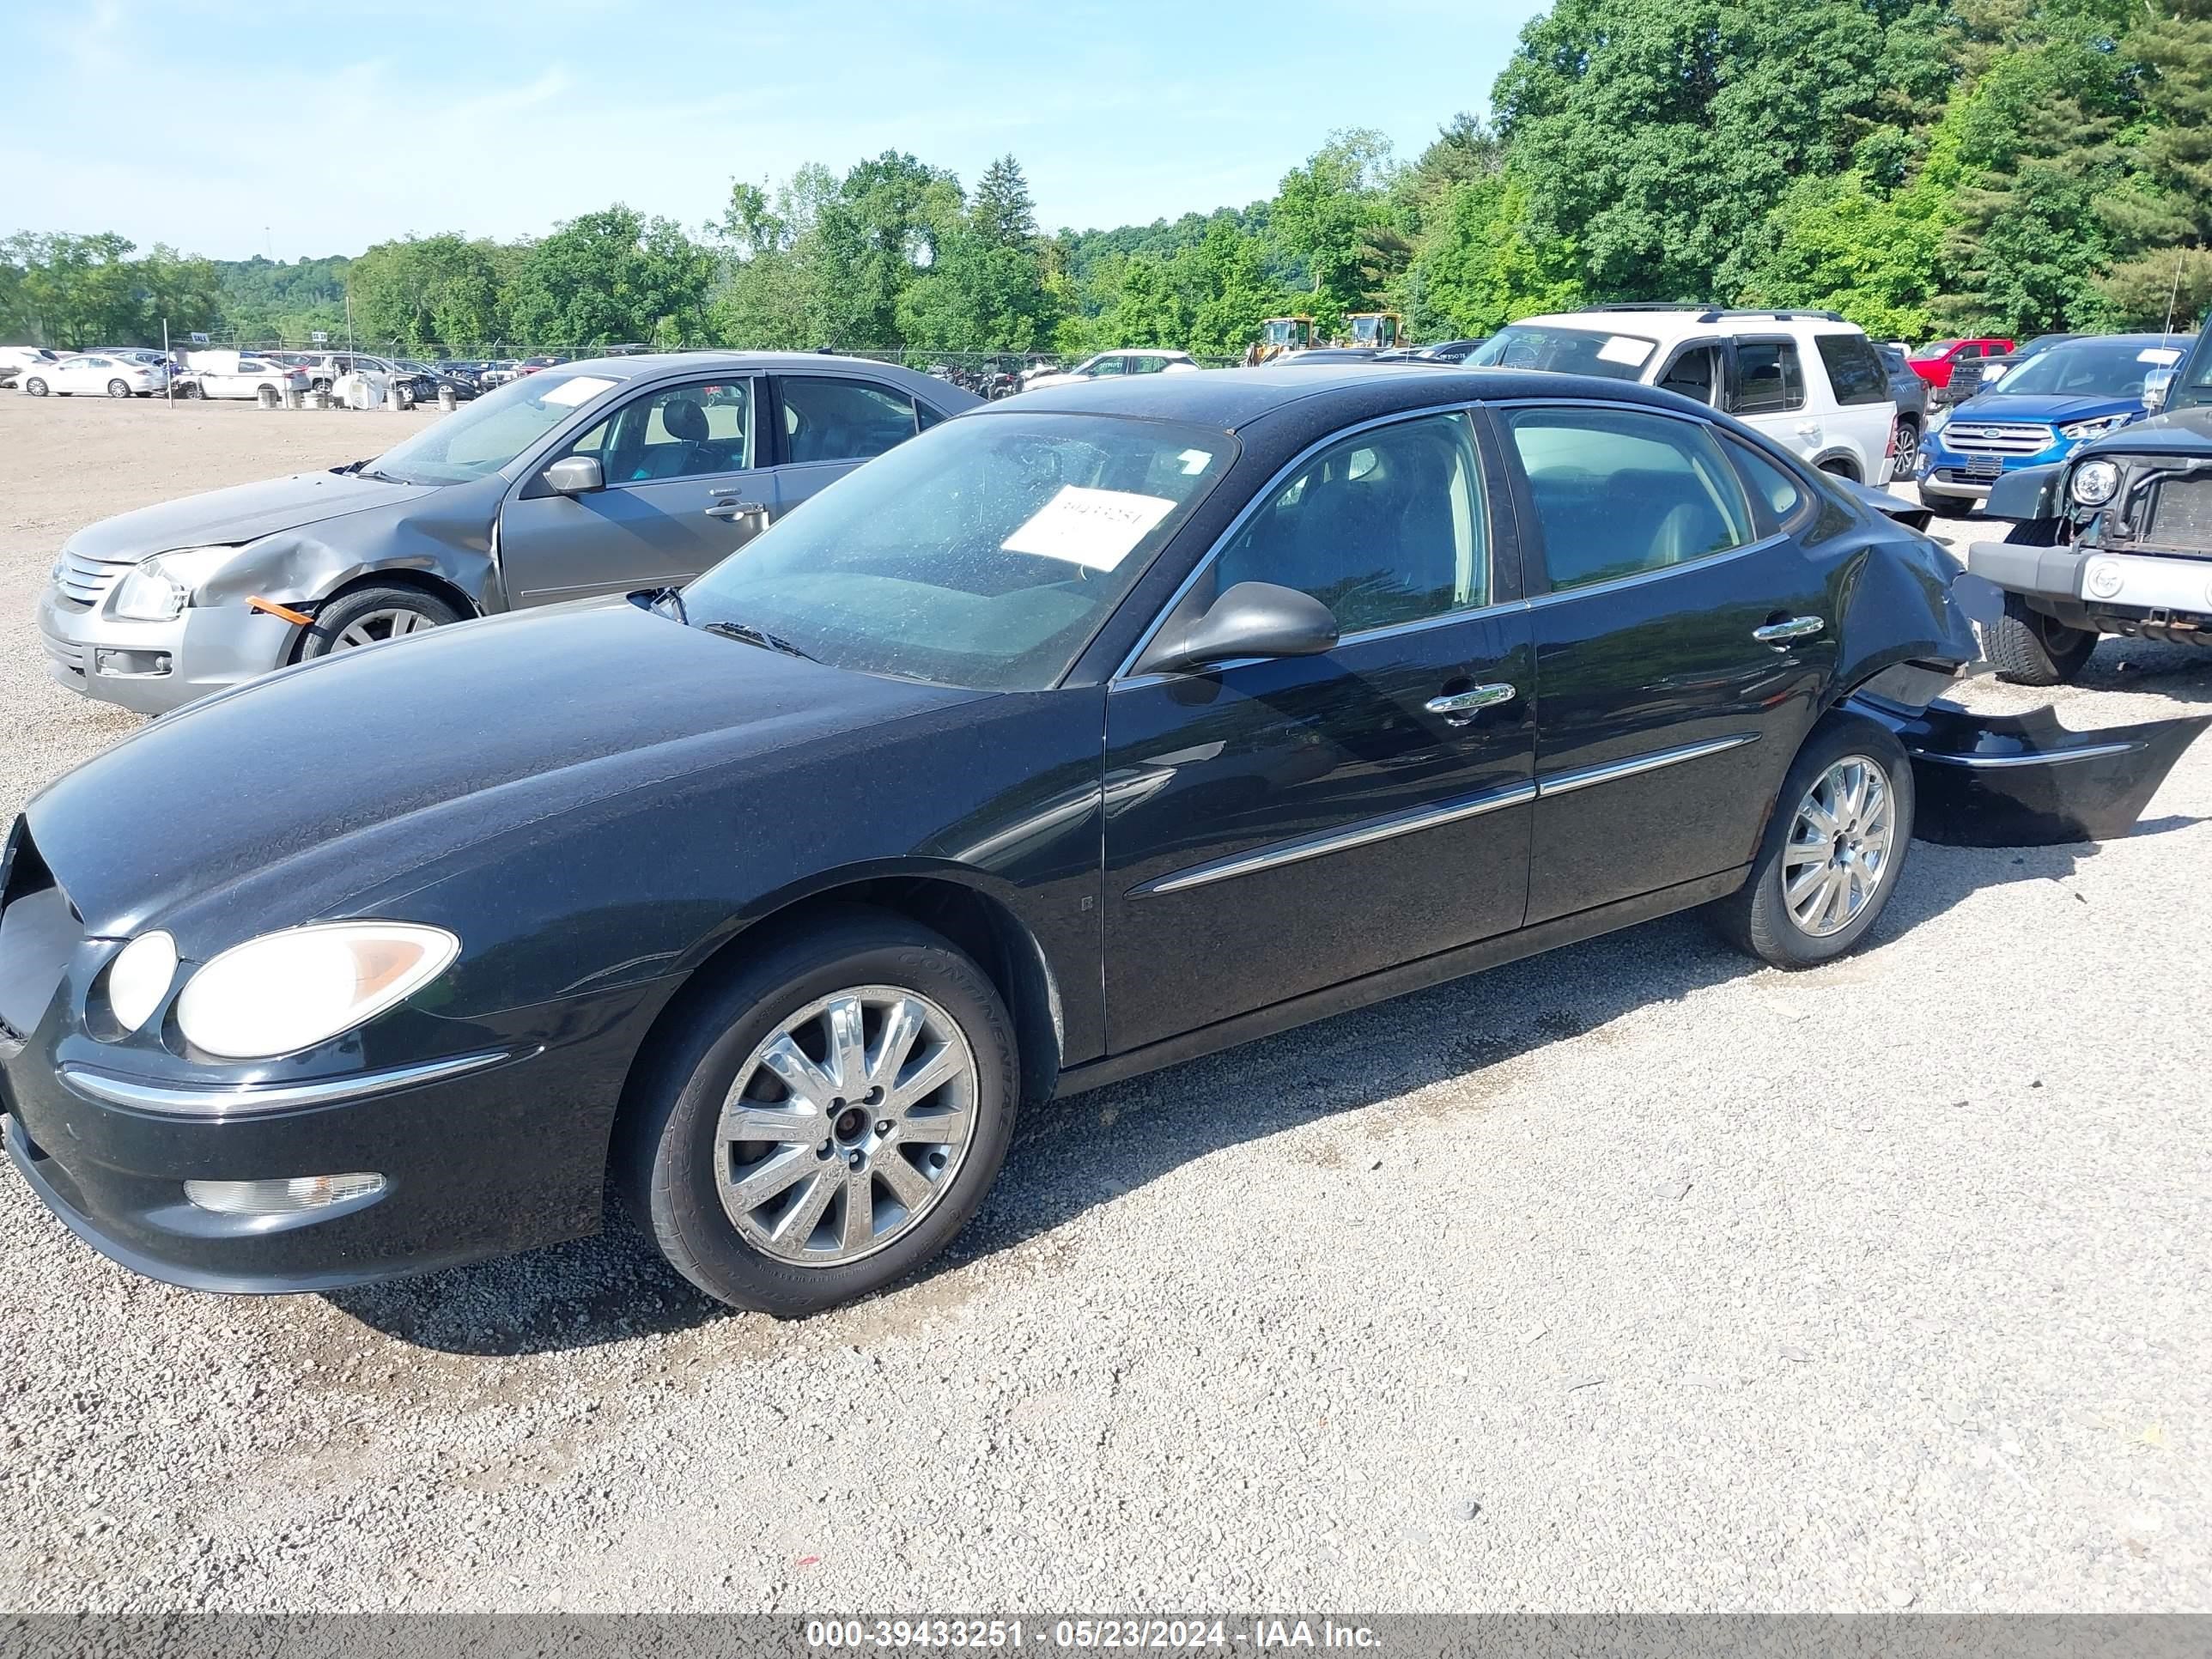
pixel 282 1197
pixel 132 665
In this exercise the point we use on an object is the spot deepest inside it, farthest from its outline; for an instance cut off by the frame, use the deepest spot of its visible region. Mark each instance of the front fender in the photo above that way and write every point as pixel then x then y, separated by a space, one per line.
pixel 2030 493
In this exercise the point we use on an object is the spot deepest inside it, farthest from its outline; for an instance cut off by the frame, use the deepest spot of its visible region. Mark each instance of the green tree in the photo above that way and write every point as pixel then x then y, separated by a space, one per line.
pixel 1003 212
pixel 429 291
pixel 610 277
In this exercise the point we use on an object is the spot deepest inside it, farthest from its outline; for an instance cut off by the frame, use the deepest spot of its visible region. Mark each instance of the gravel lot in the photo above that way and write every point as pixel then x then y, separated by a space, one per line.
pixel 1627 1278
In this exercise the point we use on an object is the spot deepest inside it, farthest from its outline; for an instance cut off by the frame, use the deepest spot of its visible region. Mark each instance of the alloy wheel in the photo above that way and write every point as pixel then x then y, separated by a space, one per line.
pixel 846 1126
pixel 1839 852
pixel 373 627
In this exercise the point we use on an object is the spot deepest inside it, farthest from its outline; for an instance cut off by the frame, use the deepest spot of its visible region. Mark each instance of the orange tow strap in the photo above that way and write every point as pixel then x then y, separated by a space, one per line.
pixel 299 617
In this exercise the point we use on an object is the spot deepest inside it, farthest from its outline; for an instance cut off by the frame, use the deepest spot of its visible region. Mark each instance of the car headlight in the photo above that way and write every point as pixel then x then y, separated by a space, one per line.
pixel 160 588
pixel 288 991
pixel 2094 483
pixel 138 978
pixel 2096 428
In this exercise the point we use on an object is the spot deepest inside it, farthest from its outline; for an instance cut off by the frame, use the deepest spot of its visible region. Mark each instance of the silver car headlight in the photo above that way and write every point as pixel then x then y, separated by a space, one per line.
pixel 160 588
pixel 2096 428
pixel 2094 483
pixel 291 990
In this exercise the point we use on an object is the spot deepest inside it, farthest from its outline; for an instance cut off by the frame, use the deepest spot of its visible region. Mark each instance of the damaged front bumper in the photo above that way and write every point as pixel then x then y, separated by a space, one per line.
pixel 2026 780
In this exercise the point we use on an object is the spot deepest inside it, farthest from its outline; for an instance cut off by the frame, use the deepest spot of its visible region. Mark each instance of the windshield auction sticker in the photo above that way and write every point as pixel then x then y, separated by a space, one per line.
pixel 581 389
pixel 1098 528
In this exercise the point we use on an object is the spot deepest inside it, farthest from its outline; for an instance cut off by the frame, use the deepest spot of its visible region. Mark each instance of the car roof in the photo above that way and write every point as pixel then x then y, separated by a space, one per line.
pixel 1235 399
pixel 671 364
pixel 1670 323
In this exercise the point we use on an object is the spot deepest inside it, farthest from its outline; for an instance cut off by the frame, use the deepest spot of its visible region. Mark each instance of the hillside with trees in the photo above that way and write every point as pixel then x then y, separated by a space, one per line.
pixel 1923 167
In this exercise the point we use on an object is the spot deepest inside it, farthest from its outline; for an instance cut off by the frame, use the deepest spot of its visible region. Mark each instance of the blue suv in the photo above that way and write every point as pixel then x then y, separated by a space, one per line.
pixel 2038 413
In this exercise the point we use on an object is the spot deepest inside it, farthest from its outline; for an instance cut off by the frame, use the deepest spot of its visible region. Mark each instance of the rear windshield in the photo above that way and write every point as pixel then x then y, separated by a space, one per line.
pixel 1568 350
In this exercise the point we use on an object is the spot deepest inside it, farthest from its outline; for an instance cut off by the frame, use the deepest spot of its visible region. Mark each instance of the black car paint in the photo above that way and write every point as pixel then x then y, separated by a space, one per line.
pixel 599 799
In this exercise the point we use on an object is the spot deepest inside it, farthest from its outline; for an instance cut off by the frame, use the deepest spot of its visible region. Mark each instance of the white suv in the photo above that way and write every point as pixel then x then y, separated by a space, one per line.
pixel 1807 380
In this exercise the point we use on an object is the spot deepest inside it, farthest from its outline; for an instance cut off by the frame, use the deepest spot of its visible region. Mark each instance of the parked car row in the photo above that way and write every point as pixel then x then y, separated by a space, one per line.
pixel 1097 728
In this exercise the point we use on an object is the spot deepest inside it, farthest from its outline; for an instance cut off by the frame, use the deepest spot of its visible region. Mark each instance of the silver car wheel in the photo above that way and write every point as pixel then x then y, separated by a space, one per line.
pixel 374 627
pixel 846 1126
pixel 1839 852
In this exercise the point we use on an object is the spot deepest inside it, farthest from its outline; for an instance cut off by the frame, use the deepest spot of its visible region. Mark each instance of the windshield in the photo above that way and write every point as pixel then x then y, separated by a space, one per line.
pixel 1569 350
pixel 1936 349
pixel 476 440
pixel 984 553
pixel 2091 368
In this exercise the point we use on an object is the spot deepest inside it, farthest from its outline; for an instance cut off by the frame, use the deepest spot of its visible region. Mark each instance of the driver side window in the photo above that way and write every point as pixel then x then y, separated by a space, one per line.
pixel 1385 527
pixel 689 431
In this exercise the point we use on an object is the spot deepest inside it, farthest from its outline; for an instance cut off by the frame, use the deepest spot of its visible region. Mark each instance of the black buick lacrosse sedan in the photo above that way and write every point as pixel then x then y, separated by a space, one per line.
pixel 1087 732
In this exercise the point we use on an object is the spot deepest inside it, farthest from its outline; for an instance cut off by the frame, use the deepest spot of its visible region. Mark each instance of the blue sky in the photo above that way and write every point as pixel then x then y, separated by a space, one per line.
pixel 231 128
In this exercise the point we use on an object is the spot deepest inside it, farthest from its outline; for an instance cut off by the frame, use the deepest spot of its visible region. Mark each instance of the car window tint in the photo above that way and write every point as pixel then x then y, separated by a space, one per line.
pixel 1853 372
pixel 1386 527
pixel 1775 494
pixel 926 416
pixel 1768 378
pixel 1106 366
pixel 1618 493
pixel 838 419
pixel 1148 365
pixel 687 431
pixel 1690 374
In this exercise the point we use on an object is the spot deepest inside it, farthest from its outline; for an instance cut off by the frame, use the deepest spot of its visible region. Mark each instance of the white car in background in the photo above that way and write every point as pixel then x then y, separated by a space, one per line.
pixel 16 360
pixel 95 373
pixel 242 375
pixel 1110 363
pixel 1808 380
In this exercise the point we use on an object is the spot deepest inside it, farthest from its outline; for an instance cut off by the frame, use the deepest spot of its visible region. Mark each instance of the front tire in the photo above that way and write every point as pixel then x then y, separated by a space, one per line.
pixel 35 387
pixel 823 1121
pixel 1832 850
pixel 370 616
pixel 2030 648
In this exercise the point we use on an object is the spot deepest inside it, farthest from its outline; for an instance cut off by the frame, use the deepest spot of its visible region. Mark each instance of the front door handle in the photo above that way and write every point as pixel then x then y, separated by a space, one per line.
pixel 1779 633
pixel 735 510
pixel 1458 707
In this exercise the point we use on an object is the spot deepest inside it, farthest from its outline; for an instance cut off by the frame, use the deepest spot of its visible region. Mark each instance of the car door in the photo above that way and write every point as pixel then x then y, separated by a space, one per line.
pixel 1681 641
pixel 1274 827
pixel 1766 390
pixel 683 491
pixel 828 424
pixel 86 373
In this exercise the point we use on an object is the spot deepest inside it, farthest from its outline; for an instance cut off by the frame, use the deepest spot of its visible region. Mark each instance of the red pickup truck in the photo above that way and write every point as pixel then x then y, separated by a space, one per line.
pixel 1934 363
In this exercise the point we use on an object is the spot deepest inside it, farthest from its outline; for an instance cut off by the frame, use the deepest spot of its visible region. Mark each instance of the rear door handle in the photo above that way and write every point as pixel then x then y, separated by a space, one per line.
pixel 1458 707
pixel 1781 633
pixel 735 510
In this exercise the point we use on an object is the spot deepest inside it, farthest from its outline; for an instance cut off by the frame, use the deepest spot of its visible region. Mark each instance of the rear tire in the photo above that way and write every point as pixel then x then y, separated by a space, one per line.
pixel 2030 648
pixel 1908 446
pixel 369 616
pixel 728 1213
pixel 1825 867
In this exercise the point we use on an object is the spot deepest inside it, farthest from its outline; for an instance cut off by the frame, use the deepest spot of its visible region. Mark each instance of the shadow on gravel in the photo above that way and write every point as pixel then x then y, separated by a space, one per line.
pixel 1095 1148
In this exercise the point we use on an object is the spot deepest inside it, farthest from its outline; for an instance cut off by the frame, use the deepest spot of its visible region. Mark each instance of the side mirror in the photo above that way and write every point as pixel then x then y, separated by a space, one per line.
pixel 2157 386
pixel 1252 619
pixel 575 475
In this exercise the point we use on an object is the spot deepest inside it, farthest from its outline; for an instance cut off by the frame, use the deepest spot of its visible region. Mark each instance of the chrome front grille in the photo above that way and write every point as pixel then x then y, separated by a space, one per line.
pixel 85 581
pixel 2181 515
pixel 1979 438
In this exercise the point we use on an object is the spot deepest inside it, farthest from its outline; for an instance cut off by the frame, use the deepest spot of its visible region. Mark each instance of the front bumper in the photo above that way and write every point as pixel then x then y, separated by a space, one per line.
pixel 153 667
pixel 482 1160
pixel 1942 471
pixel 2168 595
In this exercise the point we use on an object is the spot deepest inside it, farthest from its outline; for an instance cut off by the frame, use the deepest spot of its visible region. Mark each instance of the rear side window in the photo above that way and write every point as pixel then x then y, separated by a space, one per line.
pixel 1853 369
pixel 1768 379
pixel 840 420
pixel 1620 492
pixel 1692 373
pixel 1776 496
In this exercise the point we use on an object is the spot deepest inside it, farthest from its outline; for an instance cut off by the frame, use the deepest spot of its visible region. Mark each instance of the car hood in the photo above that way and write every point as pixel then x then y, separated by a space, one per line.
pixel 2043 409
pixel 303 792
pixel 244 513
